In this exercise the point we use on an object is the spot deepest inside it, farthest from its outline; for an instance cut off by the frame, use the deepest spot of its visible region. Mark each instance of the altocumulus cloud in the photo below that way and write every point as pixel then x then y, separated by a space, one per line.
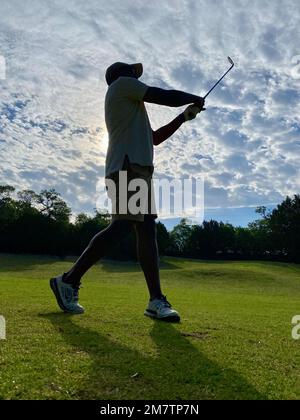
pixel 52 131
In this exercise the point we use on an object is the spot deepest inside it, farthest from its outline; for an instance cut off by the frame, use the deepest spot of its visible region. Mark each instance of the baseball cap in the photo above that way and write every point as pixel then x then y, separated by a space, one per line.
pixel 113 71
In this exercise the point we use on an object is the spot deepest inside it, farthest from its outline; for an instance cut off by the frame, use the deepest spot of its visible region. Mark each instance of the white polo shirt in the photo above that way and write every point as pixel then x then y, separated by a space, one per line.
pixel 128 125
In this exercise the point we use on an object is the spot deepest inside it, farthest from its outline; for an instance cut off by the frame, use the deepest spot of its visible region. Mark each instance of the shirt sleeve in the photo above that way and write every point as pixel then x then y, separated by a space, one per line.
pixel 132 88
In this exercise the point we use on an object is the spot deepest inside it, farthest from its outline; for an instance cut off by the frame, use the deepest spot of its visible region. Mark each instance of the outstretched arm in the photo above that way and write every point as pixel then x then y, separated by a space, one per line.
pixel 162 134
pixel 172 98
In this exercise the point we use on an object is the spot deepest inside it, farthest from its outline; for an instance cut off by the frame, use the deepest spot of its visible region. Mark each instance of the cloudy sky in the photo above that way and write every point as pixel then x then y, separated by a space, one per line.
pixel 247 144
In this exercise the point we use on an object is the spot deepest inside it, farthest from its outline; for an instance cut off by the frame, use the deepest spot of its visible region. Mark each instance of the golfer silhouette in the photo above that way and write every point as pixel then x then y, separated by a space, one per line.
pixel 130 159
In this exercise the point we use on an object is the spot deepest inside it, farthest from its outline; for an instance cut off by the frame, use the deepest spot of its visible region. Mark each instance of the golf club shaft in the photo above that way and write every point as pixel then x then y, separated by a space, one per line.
pixel 218 82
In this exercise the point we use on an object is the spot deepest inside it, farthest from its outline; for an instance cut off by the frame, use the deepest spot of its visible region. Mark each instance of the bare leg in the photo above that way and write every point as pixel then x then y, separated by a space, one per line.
pixel 148 255
pixel 97 249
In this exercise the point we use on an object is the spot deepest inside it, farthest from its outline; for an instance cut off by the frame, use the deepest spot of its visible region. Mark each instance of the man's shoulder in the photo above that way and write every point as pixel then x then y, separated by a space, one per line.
pixel 118 84
pixel 127 87
pixel 126 81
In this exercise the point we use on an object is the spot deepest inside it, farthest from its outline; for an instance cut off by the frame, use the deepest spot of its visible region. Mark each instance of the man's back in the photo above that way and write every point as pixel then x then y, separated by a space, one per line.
pixel 128 125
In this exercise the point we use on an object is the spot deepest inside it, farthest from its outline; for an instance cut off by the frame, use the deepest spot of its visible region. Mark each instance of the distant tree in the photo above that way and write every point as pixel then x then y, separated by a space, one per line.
pixel 5 192
pixel 163 238
pixel 28 198
pixel 244 242
pixel 81 219
pixel 52 206
pixel 179 238
pixel 261 234
pixel 211 239
pixel 8 216
pixel 103 218
pixel 194 245
pixel 8 210
pixel 262 210
pixel 284 223
pixel 40 223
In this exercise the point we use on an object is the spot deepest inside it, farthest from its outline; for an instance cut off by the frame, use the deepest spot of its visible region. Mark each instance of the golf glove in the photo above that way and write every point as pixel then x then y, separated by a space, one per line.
pixel 191 112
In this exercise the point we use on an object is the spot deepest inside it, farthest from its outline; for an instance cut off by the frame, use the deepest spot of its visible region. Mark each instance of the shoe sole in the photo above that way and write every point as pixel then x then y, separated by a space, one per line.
pixel 54 288
pixel 174 318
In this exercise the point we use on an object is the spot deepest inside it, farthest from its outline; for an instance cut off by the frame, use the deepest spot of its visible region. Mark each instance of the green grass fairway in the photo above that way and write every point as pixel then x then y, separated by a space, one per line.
pixel 234 341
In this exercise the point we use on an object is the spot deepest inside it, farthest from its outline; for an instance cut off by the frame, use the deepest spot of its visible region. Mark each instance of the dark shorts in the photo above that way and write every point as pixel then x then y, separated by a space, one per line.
pixel 122 200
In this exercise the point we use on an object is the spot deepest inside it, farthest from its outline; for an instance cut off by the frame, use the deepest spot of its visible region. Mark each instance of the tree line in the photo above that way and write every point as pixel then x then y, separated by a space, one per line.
pixel 42 224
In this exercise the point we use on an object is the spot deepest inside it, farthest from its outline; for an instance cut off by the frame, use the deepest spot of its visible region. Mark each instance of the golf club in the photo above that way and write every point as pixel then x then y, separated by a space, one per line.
pixel 219 81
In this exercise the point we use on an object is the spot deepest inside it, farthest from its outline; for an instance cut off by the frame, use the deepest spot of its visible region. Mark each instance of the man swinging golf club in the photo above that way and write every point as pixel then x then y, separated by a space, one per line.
pixel 130 157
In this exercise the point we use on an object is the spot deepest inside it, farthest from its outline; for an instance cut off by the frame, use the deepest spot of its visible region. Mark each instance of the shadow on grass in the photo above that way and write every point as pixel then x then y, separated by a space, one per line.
pixel 111 266
pixel 177 371
pixel 22 262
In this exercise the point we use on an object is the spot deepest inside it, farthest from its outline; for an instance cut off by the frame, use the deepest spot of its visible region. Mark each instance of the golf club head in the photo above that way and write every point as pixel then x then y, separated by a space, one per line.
pixel 231 61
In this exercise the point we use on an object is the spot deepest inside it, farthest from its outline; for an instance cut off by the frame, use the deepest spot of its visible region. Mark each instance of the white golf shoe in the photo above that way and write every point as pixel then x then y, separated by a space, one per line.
pixel 67 296
pixel 162 310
